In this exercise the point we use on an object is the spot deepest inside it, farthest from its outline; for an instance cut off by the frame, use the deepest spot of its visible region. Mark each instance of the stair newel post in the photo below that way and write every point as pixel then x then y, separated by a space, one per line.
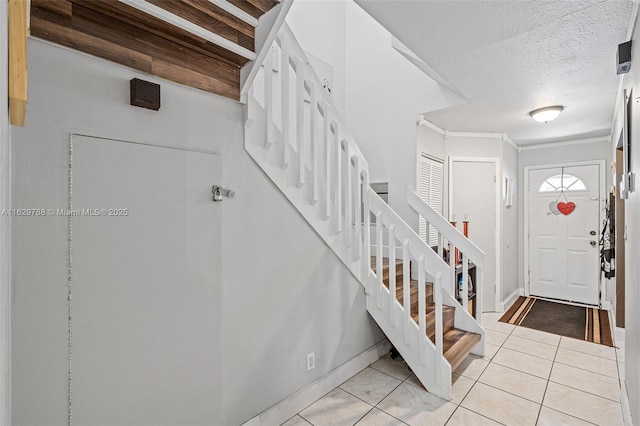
pixel 300 133
pixel 464 291
pixel 379 254
pixel 406 289
pixel 348 206
pixel 357 205
pixel 422 312
pixel 269 129
pixel 326 211
pixel 366 262
pixel 285 81
pixel 479 292
pixel 313 136
pixel 392 274
pixel 437 296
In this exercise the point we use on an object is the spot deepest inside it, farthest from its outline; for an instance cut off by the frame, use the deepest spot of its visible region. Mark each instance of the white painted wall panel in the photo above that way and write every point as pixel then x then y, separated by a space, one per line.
pixel 284 294
pixel 5 232
pixel 386 93
pixel 146 285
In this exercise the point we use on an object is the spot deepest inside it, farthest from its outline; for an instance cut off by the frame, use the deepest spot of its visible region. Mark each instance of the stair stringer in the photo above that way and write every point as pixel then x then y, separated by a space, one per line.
pixel 435 380
pixel 269 164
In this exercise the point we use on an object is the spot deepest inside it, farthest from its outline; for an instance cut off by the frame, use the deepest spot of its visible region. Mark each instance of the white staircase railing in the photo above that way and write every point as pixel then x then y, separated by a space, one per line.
pixel 296 136
pixel 451 238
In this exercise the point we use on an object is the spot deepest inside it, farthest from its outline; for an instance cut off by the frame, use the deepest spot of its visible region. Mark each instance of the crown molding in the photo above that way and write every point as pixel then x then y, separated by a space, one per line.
pixel 567 143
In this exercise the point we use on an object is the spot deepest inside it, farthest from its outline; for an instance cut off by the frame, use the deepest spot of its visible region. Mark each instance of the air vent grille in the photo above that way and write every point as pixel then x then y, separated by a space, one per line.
pixel 145 94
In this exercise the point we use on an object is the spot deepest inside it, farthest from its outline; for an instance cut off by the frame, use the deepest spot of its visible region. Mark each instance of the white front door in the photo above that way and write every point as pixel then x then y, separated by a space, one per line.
pixel 564 248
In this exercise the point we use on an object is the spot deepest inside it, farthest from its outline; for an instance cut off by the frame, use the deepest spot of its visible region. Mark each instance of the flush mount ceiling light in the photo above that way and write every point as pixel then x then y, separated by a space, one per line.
pixel 544 115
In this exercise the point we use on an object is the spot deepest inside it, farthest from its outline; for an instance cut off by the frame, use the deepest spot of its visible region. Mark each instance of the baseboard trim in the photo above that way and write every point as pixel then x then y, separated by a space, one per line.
pixel 618 333
pixel 292 405
pixel 509 300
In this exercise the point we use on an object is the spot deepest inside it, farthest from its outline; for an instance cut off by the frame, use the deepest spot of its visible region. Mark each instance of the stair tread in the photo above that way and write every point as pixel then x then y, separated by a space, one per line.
pixel 457 345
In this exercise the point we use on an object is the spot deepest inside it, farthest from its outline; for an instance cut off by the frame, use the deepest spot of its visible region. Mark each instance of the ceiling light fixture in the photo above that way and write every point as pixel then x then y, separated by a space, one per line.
pixel 544 115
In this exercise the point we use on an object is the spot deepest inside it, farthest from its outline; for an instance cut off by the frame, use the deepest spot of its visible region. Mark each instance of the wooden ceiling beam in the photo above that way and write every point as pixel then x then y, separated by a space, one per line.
pixel 177 21
pixel 255 8
pixel 17 41
pixel 210 18
pixel 135 20
pixel 235 11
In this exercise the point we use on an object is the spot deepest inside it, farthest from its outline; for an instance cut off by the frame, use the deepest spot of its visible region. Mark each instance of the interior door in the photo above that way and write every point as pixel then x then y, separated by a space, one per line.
pixel 473 197
pixel 564 248
pixel 146 309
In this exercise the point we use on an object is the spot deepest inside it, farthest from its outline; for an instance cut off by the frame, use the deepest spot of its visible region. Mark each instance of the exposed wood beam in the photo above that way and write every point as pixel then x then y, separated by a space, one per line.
pixel 17 61
pixel 235 11
pixel 182 23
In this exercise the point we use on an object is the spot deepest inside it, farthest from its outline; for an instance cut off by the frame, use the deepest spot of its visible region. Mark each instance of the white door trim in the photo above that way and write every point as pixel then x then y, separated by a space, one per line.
pixel 602 192
pixel 498 172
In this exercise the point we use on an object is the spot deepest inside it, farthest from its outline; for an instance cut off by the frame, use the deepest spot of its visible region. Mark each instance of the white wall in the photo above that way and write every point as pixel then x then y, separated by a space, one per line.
pixel 385 96
pixel 284 293
pixel 71 91
pixel 511 280
pixel 379 92
pixel 632 245
pixel 557 155
pixel 320 27
pixel 431 143
pixel 5 232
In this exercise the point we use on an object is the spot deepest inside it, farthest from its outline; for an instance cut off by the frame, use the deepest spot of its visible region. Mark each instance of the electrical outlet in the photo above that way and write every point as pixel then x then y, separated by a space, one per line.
pixel 311 361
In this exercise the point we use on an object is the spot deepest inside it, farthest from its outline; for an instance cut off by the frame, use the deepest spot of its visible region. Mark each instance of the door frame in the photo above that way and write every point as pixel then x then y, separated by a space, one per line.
pixel 602 190
pixel 498 204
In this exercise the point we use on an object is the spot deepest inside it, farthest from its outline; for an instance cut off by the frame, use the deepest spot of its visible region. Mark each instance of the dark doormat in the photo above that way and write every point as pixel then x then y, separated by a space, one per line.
pixel 590 324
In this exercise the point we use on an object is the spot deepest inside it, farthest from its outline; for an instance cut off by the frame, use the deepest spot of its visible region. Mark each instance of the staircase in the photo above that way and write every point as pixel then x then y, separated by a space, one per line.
pixel 457 344
pixel 295 135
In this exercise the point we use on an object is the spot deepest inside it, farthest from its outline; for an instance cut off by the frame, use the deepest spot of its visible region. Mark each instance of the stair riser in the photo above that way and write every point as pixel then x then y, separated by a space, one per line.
pixel 386 272
pixel 447 325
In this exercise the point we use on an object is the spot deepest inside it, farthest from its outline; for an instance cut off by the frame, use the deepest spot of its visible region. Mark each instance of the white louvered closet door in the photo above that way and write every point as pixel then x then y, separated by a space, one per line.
pixel 430 189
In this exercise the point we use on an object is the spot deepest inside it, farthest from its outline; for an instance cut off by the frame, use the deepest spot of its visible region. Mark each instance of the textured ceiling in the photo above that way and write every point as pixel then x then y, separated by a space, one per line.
pixel 510 57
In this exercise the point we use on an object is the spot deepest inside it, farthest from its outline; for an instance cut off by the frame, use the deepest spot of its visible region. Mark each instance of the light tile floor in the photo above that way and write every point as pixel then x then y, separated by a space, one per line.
pixel 527 377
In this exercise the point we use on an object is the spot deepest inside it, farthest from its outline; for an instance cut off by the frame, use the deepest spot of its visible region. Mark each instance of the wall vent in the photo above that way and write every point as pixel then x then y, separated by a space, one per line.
pixel 145 94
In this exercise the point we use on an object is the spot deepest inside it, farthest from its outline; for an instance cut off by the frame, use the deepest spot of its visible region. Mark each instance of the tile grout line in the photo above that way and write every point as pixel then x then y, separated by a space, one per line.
pixel 586 353
pixel 584 369
pixel 544 394
pixel 584 391
pixel 384 372
pixel 476 381
pixel 378 403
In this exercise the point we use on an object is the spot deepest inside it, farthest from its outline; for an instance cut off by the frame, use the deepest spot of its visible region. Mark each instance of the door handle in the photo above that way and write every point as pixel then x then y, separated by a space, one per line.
pixel 592 232
pixel 593 243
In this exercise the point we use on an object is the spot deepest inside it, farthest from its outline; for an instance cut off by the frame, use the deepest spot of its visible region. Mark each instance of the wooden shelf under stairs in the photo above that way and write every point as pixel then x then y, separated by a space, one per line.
pixel 457 344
